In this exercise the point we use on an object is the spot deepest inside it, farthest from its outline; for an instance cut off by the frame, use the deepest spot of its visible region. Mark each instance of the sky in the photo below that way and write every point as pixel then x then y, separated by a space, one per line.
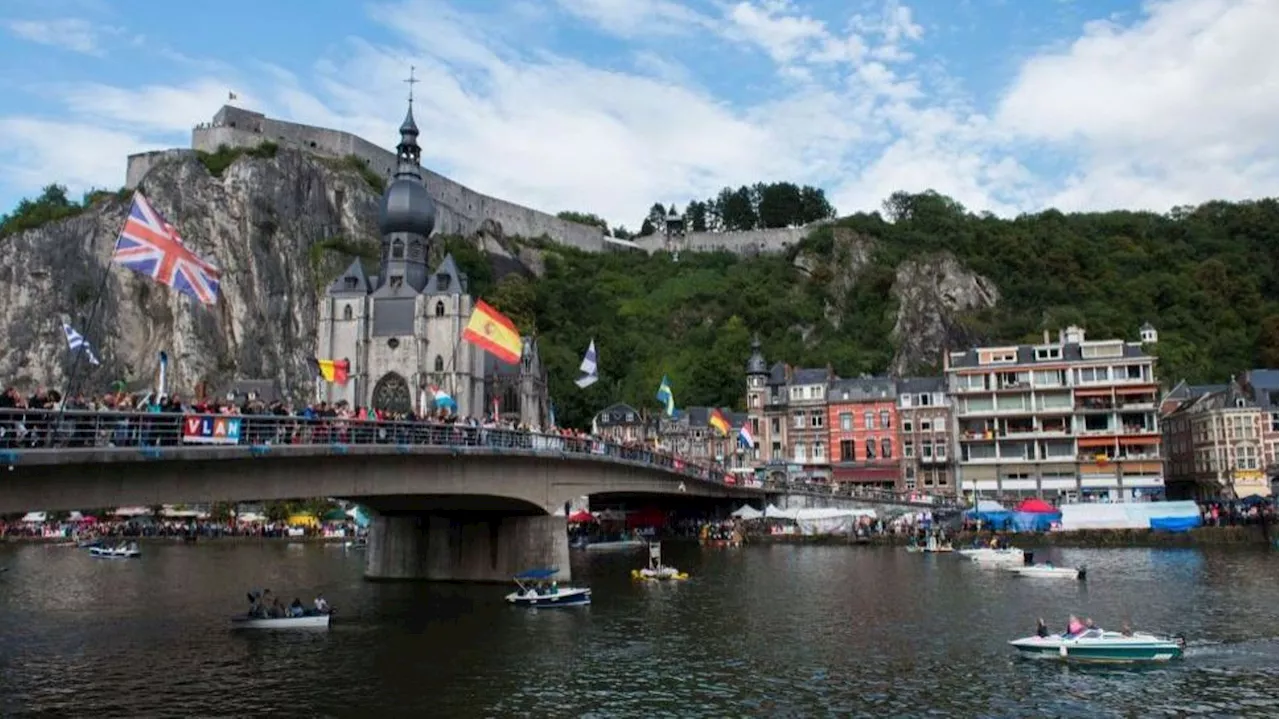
pixel 607 106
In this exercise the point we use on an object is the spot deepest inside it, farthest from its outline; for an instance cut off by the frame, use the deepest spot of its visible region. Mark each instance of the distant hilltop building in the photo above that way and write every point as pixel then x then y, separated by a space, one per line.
pixel 459 209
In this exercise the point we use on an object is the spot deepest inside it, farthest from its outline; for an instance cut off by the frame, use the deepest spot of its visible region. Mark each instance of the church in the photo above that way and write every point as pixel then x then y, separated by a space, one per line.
pixel 401 329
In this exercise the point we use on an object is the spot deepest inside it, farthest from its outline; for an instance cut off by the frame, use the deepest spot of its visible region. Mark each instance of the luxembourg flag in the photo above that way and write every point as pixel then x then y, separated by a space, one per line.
pixel 744 436
pixel 442 399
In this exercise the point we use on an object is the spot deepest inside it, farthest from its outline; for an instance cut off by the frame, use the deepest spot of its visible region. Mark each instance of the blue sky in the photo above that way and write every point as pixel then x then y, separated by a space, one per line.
pixel 607 106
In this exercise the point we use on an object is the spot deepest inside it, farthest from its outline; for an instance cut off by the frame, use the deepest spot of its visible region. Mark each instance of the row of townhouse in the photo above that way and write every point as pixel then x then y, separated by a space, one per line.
pixel 1066 417
pixel 1223 441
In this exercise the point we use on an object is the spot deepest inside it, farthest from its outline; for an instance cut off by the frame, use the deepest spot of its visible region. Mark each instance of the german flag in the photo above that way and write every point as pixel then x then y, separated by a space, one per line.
pixel 718 420
pixel 335 371
pixel 491 331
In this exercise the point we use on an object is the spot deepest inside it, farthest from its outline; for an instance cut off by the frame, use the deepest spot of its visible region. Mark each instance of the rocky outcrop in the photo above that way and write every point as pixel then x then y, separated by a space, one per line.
pixel 933 293
pixel 280 228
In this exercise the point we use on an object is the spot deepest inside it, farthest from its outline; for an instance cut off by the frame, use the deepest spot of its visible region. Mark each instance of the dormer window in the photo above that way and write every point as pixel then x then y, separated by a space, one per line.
pixel 397 282
pixel 439 308
pixel 442 282
pixel 349 283
pixel 397 249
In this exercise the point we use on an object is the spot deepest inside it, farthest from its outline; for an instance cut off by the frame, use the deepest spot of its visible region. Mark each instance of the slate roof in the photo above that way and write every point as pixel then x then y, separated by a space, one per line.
pixel 862 389
pixel 803 375
pixel 616 415
pixel 359 281
pixel 447 279
pixel 921 385
pixel 1027 355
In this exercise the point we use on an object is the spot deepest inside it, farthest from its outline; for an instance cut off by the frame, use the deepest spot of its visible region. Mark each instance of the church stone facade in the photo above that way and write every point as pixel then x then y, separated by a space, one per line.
pixel 402 328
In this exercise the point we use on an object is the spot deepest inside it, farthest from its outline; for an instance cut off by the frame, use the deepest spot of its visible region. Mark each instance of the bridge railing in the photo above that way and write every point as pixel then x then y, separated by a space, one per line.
pixel 51 431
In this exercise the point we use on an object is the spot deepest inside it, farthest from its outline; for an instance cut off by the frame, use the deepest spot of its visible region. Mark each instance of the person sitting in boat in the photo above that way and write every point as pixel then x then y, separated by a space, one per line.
pixel 1126 630
pixel 321 605
pixel 277 609
pixel 296 609
pixel 555 588
pixel 1074 626
pixel 1042 630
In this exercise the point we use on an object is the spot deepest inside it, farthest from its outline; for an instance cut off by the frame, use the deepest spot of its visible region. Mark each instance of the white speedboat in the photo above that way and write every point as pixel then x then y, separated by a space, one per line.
pixel 620 545
pixel 988 555
pixel 124 551
pixel 1096 645
pixel 313 620
pixel 1048 571
pixel 528 594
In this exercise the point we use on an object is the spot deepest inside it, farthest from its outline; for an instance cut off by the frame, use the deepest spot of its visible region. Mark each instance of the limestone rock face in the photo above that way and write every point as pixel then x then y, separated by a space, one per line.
pixel 263 222
pixel 932 293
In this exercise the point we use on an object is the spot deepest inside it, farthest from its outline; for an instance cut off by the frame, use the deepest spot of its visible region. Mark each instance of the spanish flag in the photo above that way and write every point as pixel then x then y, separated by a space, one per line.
pixel 334 371
pixel 718 420
pixel 490 330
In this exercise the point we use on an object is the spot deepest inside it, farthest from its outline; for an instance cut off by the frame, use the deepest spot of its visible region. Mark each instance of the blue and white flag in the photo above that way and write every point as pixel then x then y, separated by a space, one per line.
pixel 588 368
pixel 76 342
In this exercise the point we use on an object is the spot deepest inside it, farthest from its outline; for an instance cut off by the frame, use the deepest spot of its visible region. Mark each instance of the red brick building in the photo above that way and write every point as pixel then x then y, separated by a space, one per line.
pixel 862 417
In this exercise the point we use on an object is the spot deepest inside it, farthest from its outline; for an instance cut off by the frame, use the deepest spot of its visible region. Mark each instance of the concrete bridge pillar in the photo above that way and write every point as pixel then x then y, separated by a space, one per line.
pixel 464 547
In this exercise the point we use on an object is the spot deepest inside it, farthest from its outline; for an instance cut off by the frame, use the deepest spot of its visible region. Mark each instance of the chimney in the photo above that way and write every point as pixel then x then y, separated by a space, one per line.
pixel 1046 335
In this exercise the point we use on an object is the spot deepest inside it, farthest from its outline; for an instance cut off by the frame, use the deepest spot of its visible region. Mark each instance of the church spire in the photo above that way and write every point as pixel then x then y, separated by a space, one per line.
pixel 408 151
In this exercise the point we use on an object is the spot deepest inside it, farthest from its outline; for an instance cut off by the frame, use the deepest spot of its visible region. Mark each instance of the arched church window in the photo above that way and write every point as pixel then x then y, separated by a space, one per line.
pixel 439 308
pixel 439 363
pixel 397 249
pixel 346 312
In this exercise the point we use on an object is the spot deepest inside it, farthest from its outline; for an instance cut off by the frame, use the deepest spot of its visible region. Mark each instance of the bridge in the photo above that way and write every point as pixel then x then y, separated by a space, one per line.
pixel 449 501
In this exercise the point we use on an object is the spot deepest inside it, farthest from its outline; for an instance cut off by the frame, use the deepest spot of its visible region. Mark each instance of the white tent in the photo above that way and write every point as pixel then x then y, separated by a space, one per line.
pixel 746 511
pixel 35 517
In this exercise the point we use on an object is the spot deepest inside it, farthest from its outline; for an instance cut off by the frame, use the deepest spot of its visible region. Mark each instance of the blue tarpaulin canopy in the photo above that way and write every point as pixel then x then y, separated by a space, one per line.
pixel 536 574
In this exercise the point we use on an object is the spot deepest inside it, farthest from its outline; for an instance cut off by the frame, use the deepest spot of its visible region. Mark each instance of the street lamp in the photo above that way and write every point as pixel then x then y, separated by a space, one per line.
pixel 675 233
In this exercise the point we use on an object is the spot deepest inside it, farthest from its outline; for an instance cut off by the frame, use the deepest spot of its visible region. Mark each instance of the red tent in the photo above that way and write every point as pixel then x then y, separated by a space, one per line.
pixel 646 518
pixel 1036 506
pixel 581 516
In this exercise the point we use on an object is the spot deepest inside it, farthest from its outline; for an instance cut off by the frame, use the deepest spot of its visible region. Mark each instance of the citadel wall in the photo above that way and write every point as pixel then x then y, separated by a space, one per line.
pixel 460 210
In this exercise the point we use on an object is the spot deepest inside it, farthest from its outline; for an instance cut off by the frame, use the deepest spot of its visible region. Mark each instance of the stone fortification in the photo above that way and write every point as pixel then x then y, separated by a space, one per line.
pixel 459 209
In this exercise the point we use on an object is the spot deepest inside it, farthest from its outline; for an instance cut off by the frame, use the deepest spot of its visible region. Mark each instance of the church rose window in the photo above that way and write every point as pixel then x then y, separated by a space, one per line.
pixel 391 394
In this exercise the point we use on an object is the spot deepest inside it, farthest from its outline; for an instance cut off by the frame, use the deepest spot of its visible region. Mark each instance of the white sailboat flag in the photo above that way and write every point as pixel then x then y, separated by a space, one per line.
pixel 588 368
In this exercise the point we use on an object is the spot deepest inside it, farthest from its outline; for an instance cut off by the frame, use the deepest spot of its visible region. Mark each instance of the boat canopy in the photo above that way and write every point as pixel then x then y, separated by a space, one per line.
pixel 536 574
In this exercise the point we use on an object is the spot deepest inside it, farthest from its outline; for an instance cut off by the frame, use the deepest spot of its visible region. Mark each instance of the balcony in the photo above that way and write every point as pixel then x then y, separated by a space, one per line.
pixel 1094 404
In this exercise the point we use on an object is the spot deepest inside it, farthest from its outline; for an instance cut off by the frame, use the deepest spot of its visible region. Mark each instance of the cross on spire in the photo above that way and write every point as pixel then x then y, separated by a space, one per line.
pixel 412 81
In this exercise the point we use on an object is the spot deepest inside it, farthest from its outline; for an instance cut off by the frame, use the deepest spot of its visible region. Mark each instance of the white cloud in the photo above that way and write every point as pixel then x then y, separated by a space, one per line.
pixel 1178 107
pixel 67 33
pixel 35 152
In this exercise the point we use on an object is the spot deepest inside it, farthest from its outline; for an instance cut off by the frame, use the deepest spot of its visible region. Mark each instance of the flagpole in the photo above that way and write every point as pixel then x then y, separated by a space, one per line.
pixel 73 376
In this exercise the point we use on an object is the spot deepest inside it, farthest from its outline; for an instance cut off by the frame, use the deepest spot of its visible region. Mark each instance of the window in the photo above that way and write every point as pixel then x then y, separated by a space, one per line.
pixel 940 452
pixel 925 400
pixel 397 250
pixel 439 308
pixel 904 400
pixel 871 448
pixel 926 449
pixel 868 420
pixel 349 283
pixel 817 420
pixel 819 452
pixel 886 448
pixel 926 425
pixel 755 428
pixel 442 282
pixel 755 401
pixel 908 448
pixel 797 393
pixel 1275 421
pixel 815 392
pixel 907 426
pixel 439 363
pixel 884 419
pixel 346 312
pixel 396 282
pixel 1048 353
pixel 846 421
pixel 800 452
pixel 775 426
pixel 797 420
pixel 846 451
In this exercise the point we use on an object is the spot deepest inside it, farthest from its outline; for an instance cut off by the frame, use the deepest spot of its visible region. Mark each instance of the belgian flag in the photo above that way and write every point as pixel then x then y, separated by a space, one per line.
pixel 333 371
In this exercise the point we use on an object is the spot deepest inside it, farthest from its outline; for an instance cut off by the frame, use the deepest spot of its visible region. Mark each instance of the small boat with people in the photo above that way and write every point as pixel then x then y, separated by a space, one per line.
pixel 266 611
pixel 124 550
pixel 657 571
pixel 1084 642
pixel 536 588
pixel 997 551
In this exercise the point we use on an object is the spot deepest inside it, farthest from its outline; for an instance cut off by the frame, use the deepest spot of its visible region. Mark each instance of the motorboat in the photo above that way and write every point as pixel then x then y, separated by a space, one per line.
pixel 122 551
pixel 311 620
pixel 1048 571
pixel 657 571
pixel 619 545
pixel 529 594
pixel 1097 645
pixel 990 555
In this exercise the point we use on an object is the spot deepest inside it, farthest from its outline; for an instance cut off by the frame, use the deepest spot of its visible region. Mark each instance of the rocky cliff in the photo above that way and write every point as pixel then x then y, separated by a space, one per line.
pixel 280 225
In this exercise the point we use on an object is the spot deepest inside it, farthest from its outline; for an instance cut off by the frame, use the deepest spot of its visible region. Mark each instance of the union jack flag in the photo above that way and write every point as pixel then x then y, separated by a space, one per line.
pixel 151 246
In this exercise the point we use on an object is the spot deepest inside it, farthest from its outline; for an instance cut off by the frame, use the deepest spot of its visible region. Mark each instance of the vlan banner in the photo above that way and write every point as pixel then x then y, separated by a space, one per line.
pixel 210 429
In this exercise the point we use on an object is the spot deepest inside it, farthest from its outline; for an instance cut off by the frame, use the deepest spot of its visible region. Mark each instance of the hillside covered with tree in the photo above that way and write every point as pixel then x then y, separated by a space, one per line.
pixel 1204 276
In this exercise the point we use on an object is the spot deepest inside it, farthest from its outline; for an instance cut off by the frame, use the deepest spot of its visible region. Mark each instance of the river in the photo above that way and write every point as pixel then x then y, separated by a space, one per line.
pixel 781 631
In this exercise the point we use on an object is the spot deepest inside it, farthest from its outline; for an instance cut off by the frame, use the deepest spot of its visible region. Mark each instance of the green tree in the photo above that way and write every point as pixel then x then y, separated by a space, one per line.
pixel 584 218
